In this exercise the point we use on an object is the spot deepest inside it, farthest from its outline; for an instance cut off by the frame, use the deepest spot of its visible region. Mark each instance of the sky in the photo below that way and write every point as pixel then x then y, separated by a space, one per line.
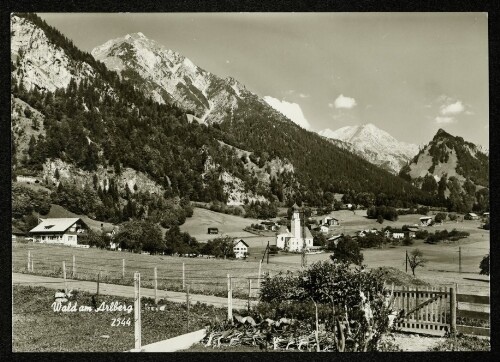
pixel 407 73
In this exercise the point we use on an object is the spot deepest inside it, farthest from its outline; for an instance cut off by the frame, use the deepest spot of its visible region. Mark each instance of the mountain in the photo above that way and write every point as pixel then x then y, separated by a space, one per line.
pixel 105 144
pixel 373 144
pixel 167 77
pixel 453 167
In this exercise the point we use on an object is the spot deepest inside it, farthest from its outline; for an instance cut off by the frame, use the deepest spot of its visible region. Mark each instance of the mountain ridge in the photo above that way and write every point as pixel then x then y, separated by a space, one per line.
pixel 375 145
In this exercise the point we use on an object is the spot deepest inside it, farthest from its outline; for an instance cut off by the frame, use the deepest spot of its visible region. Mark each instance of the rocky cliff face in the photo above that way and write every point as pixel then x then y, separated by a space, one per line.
pixel 40 64
pixel 167 76
pixel 373 144
pixel 449 156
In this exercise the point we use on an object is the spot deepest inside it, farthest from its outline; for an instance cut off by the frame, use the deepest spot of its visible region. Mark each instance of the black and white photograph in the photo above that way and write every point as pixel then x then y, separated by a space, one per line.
pixel 250 181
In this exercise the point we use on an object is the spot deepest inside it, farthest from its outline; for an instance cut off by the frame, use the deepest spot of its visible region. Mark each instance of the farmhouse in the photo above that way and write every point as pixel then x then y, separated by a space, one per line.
pixel 426 220
pixel 296 238
pixel 471 216
pixel 329 220
pixel 269 225
pixel 322 228
pixel 59 231
pixel 17 234
pixel 398 234
pixel 240 249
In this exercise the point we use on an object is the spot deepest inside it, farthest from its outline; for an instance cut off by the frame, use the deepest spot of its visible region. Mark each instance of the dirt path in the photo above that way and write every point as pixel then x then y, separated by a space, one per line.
pixel 122 290
pixel 415 342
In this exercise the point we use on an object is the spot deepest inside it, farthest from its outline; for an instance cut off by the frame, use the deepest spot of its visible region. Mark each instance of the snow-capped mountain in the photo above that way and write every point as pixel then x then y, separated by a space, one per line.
pixel 373 144
pixel 168 76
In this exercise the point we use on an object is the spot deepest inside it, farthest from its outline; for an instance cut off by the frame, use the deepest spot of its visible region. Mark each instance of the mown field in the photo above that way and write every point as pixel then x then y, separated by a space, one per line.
pixel 205 276
pixel 209 276
pixel 37 328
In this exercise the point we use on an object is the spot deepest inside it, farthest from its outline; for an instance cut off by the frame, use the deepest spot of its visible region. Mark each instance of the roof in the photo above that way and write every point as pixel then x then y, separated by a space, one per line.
pixel 413 228
pixel 283 230
pixel 58 225
pixel 425 217
pixel 16 231
pixel 241 241
pixel 108 228
pixel 334 237
pixel 306 231
pixel 471 214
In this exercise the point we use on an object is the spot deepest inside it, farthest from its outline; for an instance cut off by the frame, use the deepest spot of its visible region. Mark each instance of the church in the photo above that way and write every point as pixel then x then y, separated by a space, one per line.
pixel 296 238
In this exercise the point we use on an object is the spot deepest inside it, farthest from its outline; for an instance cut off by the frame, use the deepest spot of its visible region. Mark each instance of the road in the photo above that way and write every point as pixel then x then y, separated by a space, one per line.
pixel 123 290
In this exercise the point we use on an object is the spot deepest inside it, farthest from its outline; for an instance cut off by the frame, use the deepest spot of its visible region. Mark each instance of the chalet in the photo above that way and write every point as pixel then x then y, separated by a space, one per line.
pixel 213 230
pixel 426 220
pixel 270 225
pixel 17 234
pixel 330 221
pixel 322 228
pixel 388 233
pixel 59 231
pixel 240 249
pixel 398 234
pixel 296 238
pixel 363 233
pixel 471 216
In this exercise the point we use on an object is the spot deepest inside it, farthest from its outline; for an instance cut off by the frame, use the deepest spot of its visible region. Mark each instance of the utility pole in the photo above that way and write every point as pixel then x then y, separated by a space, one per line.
pixel 303 233
pixel 406 260
pixel 267 249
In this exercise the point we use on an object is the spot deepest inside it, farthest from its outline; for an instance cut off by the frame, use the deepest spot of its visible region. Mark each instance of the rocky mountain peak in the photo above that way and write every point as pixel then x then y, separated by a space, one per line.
pixel 375 145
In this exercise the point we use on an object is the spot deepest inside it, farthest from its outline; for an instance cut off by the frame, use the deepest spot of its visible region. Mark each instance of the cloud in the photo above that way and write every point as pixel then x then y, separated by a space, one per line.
pixel 443 119
pixel 302 95
pixel 452 109
pixel 344 102
pixel 290 110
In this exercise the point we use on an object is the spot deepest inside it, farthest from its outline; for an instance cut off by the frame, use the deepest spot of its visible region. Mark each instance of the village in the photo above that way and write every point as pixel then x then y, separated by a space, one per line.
pixel 296 237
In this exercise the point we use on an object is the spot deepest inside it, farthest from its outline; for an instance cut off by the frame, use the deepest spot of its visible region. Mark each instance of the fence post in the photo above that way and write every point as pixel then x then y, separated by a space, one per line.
pixel 123 268
pixel 137 311
pixel 98 277
pixel 260 273
pixel 249 291
pixel 73 273
pixel 417 312
pixel 29 260
pixel 187 305
pixel 229 306
pixel 32 268
pixel 64 276
pixel 453 311
pixel 460 259
pixel 183 276
pixel 156 286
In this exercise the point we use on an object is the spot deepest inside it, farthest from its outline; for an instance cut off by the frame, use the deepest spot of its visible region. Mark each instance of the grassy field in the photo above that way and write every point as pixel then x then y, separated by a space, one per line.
pixel 37 328
pixel 205 276
pixel 209 276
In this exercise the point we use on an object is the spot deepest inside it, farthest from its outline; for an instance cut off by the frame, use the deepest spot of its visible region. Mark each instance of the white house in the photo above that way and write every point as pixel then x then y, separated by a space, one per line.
pixel 296 238
pixel 329 220
pixel 426 220
pixel 59 231
pixel 398 234
pixel 240 249
pixel 471 216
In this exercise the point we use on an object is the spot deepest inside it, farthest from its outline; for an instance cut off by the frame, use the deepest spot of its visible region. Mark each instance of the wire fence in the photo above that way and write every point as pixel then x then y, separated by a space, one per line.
pixel 205 276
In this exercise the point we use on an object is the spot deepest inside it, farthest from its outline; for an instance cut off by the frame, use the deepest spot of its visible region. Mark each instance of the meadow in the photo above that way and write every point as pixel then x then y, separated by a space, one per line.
pixel 209 276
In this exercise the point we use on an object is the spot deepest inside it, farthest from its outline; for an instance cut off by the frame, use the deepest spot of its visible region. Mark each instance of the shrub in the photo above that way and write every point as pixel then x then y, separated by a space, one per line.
pixel 344 295
pixel 484 266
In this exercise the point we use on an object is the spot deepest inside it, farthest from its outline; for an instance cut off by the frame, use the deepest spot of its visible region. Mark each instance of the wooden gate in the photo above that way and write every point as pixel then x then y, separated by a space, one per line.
pixel 424 310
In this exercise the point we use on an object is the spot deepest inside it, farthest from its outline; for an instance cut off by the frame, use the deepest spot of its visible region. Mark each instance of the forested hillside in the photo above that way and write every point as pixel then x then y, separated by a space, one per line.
pixel 101 124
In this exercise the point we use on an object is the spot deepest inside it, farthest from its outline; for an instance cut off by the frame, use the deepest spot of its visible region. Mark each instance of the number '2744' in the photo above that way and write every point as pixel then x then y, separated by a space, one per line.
pixel 117 322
